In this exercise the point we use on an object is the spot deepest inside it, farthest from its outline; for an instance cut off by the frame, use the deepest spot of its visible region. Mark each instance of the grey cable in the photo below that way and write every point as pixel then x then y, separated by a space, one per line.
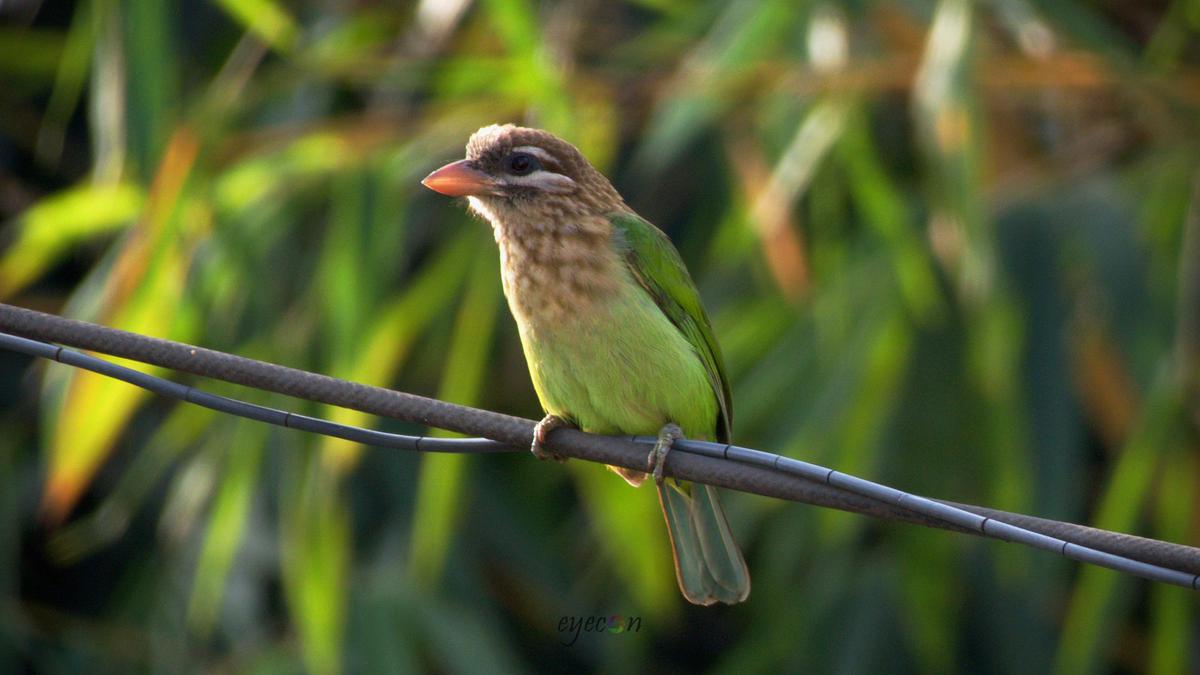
pixel 252 411
pixel 713 463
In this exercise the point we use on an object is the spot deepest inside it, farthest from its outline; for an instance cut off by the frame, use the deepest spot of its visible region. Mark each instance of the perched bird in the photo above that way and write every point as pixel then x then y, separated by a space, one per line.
pixel 614 333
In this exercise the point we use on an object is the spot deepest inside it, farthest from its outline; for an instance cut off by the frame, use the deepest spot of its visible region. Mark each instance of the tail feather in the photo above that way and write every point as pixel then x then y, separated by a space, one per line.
pixel 708 563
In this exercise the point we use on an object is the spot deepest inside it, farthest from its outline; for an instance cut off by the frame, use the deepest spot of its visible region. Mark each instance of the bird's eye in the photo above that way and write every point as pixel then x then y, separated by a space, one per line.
pixel 521 164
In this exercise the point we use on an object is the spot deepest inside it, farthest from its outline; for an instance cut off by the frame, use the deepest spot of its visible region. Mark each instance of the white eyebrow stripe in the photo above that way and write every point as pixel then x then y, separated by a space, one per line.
pixel 545 180
pixel 536 152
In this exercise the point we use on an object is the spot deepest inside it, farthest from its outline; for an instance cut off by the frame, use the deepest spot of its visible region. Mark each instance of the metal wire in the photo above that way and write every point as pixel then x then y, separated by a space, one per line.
pixel 252 411
pixel 714 463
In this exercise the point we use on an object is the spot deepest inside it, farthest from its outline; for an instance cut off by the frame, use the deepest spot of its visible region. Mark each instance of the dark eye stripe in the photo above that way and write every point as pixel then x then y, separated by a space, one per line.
pixel 521 164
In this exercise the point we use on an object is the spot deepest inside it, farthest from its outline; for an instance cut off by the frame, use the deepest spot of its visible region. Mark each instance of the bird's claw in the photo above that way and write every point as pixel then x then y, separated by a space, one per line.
pixel 549 423
pixel 658 456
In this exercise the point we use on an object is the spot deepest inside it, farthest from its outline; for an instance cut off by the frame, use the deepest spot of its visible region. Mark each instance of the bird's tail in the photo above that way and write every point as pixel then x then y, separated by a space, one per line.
pixel 708 563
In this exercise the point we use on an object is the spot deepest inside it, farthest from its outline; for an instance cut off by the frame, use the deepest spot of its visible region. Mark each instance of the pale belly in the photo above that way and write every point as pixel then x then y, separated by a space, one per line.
pixel 620 367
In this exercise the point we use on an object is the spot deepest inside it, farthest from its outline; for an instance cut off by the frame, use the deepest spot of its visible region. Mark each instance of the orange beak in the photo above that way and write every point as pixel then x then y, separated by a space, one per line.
pixel 459 179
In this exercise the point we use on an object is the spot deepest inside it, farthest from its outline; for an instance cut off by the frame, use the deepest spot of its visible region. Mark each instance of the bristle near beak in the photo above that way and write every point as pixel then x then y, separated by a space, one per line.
pixel 460 179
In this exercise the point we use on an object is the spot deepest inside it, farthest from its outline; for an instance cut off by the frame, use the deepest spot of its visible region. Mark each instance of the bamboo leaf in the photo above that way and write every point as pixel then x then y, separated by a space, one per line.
pixel 50 228
pixel 266 19
pixel 441 483
pixel 227 521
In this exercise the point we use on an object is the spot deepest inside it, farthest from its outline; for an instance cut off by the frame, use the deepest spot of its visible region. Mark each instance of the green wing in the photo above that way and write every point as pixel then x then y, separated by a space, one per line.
pixel 708 564
pixel 657 266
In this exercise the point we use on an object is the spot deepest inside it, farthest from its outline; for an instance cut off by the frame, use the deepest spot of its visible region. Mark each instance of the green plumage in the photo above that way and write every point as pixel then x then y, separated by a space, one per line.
pixel 645 358
pixel 615 335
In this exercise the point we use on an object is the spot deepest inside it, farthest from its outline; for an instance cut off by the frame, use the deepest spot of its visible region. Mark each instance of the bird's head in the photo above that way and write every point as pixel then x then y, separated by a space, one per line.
pixel 517 172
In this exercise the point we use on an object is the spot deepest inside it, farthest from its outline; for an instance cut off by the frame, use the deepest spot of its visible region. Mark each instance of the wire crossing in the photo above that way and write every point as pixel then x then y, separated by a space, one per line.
pixel 719 464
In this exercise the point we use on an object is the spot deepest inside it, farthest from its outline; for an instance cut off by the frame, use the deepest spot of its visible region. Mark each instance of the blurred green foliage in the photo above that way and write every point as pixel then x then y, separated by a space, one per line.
pixel 944 245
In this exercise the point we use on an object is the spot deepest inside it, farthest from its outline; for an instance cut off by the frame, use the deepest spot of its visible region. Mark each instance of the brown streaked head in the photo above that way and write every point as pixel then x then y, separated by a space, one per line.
pixel 520 168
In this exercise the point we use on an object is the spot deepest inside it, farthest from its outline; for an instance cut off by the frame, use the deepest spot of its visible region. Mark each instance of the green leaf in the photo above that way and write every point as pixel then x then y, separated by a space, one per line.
pixel 244 450
pixel 1100 595
pixel 441 482
pixel 49 229
pixel 266 19
pixel 316 560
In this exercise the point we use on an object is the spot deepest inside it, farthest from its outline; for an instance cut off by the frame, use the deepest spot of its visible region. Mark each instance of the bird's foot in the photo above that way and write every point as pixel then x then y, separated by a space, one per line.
pixel 549 423
pixel 658 456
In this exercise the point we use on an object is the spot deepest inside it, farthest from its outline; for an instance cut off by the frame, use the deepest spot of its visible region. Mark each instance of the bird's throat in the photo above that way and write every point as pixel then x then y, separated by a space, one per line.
pixel 557 274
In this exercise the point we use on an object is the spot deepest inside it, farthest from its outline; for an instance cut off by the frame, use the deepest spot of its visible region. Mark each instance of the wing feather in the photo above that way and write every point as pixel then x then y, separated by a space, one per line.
pixel 657 267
